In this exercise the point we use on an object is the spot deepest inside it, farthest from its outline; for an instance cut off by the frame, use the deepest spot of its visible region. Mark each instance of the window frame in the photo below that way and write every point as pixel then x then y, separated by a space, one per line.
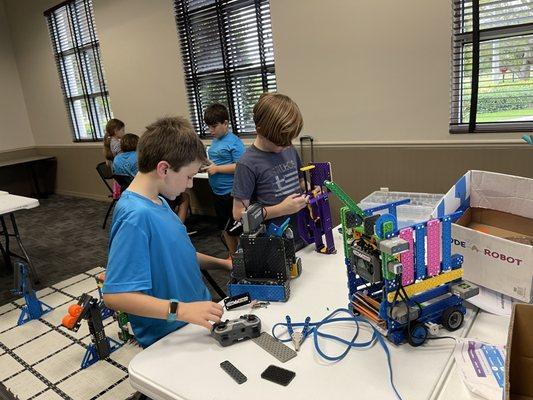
pixel 93 87
pixel 474 38
pixel 193 78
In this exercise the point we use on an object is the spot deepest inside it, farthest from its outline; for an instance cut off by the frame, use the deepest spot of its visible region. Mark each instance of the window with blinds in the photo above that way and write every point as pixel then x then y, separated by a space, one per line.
pixel 77 55
pixel 228 57
pixel 492 57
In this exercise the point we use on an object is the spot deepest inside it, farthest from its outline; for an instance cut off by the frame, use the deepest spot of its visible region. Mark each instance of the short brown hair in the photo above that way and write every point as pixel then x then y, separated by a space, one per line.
pixel 170 139
pixel 215 114
pixel 129 142
pixel 277 118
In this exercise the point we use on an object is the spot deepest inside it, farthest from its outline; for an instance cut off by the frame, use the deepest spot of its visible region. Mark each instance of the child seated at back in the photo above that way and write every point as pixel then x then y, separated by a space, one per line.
pixel 114 130
pixel 153 271
pixel 224 152
pixel 269 171
pixel 125 163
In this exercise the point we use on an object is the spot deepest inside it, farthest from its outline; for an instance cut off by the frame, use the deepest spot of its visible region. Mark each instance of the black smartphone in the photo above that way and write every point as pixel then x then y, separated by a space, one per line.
pixel 278 375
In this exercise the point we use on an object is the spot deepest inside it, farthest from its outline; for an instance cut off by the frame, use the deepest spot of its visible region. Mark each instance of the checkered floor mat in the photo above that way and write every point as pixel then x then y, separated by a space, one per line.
pixel 42 360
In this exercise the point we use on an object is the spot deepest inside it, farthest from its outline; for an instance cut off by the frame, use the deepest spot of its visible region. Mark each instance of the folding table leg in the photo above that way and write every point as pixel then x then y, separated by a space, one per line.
pixel 7 261
pixel 26 256
pixel 5 252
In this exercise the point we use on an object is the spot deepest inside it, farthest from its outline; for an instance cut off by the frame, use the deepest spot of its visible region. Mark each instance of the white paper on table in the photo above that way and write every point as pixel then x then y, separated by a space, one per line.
pixel 481 366
pixel 493 302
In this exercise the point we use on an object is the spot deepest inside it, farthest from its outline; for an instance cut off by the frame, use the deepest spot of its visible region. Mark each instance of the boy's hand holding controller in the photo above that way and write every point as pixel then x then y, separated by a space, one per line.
pixel 200 313
pixel 293 203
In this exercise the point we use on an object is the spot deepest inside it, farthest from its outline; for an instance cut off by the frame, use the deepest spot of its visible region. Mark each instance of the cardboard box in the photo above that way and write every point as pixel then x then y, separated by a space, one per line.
pixel 495 234
pixel 519 360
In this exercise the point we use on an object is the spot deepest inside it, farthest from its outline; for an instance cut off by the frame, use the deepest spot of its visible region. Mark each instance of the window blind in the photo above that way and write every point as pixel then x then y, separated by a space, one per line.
pixel 492 57
pixel 77 54
pixel 228 57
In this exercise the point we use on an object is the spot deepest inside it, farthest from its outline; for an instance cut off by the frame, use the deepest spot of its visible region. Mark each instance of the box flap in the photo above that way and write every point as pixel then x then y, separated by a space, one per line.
pixel 491 190
pixel 457 198
pixel 507 193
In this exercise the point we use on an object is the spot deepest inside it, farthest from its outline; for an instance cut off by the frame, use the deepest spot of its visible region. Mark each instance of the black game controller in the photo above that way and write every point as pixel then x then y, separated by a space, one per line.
pixel 233 331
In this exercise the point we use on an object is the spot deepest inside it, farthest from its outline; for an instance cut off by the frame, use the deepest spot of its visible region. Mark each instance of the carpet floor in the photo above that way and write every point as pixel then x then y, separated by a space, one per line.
pixel 64 237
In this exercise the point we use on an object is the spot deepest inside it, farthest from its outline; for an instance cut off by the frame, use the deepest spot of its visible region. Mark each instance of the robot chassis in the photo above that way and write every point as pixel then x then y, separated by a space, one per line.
pixel 404 281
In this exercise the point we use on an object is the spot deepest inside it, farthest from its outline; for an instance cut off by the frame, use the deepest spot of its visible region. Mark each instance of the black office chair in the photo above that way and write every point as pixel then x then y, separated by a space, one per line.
pixel 106 174
pixel 123 180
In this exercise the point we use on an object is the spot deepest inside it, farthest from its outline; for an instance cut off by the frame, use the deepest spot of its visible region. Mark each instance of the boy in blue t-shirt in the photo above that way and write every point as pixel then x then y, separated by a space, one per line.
pixel 153 270
pixel 269 171
pixel 225 150
pixel 125 163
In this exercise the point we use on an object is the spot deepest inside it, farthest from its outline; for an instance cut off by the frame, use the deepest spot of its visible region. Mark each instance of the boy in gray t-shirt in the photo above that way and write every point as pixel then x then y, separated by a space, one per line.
pixel 268 172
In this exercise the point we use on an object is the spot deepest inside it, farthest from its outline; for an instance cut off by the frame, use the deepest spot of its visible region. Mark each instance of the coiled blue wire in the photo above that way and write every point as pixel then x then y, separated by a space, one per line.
pixel 314 330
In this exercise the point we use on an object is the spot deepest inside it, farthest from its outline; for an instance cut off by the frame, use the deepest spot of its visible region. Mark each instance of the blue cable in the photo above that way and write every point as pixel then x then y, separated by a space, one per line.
pixel 289 326
pixel 313 328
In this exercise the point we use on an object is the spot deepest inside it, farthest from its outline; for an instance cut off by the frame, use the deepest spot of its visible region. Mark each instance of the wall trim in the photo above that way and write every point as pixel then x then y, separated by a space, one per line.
pixel 442 144
pixel 17 149
pixel 76 145
pixel 511 143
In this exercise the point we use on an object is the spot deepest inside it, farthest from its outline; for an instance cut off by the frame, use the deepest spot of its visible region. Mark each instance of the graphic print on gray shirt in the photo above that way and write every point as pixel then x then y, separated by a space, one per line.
pixel 265 177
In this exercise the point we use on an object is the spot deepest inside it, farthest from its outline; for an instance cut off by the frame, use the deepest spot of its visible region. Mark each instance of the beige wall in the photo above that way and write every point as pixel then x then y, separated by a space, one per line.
pixel 368 70
pixel 140 54
pixel 141 60
pixel 362 71
pixel 15 132
pixel 367 75
pixel 37 70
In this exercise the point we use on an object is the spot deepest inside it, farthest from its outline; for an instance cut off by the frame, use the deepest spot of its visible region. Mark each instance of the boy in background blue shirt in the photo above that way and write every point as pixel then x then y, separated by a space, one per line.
pixel 224 152
pixel 125 163
pixel 153 270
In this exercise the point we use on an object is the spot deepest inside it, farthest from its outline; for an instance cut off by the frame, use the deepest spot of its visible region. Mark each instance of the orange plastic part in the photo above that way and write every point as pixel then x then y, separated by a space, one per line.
pixel 75 310
pixel 68 321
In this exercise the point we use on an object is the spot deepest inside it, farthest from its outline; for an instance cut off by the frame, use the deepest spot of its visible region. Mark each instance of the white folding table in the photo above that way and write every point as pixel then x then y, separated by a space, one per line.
pixel 185 364
pixel 9 204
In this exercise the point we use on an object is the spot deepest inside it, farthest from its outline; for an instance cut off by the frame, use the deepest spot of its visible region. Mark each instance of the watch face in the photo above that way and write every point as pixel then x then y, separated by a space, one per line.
pixel 173 307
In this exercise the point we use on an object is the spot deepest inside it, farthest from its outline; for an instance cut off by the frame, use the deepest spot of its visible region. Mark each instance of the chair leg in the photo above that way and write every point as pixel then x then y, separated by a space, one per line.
pixel 108 212
pixel 213 284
